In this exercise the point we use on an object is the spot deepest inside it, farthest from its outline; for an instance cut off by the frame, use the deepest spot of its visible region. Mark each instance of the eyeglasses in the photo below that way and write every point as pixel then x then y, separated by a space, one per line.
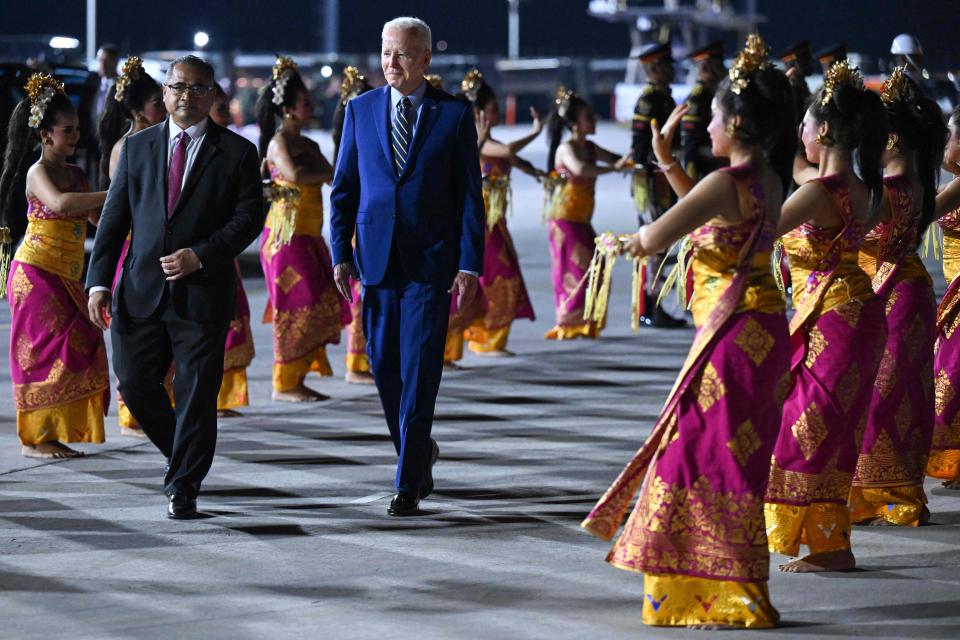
pixel 195 90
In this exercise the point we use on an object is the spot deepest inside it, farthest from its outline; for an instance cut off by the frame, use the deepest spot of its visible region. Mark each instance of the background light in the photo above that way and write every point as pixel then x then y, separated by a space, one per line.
pixel 326 71
pixel 201 39
pixel 64 42
pixel 442 45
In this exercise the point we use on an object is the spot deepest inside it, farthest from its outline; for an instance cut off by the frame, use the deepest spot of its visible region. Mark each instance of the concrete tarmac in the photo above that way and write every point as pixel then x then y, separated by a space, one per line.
pixel 297 543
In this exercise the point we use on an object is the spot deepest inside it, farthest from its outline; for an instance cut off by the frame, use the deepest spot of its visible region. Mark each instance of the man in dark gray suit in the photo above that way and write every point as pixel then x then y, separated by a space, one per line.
pixel 189 191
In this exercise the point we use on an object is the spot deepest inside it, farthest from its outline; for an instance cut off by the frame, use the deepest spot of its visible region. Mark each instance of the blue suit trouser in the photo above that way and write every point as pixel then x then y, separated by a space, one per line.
pixel 405 324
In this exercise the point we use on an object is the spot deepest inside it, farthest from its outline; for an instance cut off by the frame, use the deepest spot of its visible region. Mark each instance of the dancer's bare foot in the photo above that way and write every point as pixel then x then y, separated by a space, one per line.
pixel 952 484
pixel 711 626
pixel 132 432
pixel 451 366
pixel 228 413
pixel 50 451
pixel 359 377
pixel 302 393
pixel 880 521
pixel 817 562
pixel 496 353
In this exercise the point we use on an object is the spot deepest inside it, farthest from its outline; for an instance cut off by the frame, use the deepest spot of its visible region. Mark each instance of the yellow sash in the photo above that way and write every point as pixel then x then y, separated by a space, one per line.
pixel 54 245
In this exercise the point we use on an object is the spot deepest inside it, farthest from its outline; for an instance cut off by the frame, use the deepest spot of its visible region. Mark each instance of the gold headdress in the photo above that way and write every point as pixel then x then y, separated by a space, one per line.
pixel 41 88
pixel 749 61
pixel 895 88
pixel 435 80
pixel 283 70
pixel 840 73
pixel 352 84
pixel 131 71
pixel 562 100
pixel 471 84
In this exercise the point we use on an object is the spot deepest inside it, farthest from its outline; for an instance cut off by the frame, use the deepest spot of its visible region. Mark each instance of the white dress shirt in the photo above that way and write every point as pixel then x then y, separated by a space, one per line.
pixel 196 132
pixel 416 102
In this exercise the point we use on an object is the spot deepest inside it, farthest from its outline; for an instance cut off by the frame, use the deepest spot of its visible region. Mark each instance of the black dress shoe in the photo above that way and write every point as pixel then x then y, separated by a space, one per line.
pixel 662 320
pixel 427 488
pixel 182 507
pixel 404 504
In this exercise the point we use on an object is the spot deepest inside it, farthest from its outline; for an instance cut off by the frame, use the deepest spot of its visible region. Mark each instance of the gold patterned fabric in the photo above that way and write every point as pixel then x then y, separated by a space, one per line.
pixel 822 526
pixel 678 600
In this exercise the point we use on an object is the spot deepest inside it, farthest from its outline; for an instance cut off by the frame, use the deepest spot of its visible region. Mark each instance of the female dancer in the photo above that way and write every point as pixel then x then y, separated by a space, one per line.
pixel 502 293
pixel 570 232
pixel 838 331
pixel 697 529
pixel 944 462
pixel 888 481
pixel 133 103
pixel 304 306
pixel 358 366
pixel 234 390
pixel 58 362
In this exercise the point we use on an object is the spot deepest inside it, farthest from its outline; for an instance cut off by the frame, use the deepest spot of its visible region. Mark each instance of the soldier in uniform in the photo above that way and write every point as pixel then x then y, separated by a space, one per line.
pixel 696 157
pixel 828 55
pixel 799 64
pixel 651 191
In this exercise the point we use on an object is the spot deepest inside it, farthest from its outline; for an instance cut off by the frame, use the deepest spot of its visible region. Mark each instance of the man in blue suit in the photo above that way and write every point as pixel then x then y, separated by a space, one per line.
pixel 408 182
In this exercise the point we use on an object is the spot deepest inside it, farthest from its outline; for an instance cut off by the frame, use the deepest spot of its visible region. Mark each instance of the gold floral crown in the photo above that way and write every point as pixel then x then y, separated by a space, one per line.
pixel 352 84
pixel 41 88
pixel 748 62
pixel 896 88
pixel 562 100
pixel 840 73
pixel 471 84
pixel 435 80
pixel 131 71
pixel 283 69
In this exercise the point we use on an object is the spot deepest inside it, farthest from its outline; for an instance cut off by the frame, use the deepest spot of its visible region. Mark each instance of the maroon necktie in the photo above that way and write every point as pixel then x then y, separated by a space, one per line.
pixel 178 163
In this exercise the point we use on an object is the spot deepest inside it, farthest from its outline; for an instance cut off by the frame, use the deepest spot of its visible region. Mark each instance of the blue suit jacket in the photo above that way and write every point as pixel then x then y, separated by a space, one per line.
pixel 435 208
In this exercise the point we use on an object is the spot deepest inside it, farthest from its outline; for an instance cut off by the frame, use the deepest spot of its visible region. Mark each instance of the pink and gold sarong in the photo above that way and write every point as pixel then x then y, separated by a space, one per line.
pixel 944 461
pixel 356 358
pixel 238 354
pixel 838 334
pixel 58 361
pixel 571 238
pixel 304 306
pixel 502 292
pixel 697 530
pixel 888 481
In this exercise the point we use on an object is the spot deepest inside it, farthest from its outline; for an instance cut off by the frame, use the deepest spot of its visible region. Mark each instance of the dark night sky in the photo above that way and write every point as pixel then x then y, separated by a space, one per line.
pixel 548 27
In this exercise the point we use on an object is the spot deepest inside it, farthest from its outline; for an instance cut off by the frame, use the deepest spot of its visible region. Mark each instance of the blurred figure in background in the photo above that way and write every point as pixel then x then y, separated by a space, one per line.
pixel 651 193
pixel 357 361
pixel 239 352
pixel 799 63
pixel 134 103
pixel 696 156
pixel 830 55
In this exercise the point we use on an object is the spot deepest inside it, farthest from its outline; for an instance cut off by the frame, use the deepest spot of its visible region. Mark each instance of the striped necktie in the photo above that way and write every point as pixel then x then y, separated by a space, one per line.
pixel 401 135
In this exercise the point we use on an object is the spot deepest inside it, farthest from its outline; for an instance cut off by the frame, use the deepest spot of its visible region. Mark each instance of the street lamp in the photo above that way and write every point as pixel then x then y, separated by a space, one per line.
pixel 201 39
pixel 64 42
